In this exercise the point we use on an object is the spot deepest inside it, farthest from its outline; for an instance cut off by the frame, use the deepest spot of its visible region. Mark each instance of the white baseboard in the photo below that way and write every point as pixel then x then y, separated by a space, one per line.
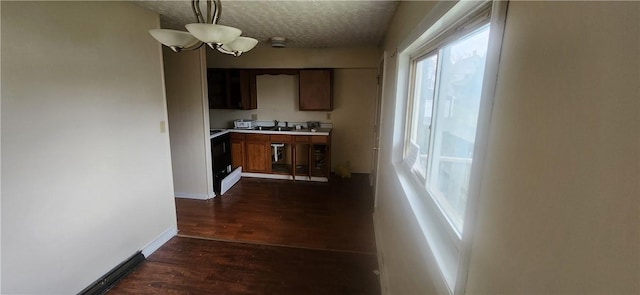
pixel 159 241
pixel 194 196
pixel 382 268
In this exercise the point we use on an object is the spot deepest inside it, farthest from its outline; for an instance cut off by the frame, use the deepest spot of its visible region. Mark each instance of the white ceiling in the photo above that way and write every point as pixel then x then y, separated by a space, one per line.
pixel 304 23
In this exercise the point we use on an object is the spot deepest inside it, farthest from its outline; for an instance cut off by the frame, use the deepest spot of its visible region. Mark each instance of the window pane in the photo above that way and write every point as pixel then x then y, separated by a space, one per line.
pixel 458 101
pixel 422 112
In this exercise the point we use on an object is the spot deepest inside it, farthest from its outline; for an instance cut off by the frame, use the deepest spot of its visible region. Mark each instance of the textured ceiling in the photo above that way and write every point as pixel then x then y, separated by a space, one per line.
pixel 304 23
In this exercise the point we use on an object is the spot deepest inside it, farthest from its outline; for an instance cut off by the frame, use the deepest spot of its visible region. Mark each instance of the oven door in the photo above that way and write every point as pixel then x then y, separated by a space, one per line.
pixel 221 159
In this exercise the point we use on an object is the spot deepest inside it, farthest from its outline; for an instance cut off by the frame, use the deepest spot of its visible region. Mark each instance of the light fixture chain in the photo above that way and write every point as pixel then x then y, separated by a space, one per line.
pixel 212 19
pixel 218 10
pixel 195 5
pixel 208 10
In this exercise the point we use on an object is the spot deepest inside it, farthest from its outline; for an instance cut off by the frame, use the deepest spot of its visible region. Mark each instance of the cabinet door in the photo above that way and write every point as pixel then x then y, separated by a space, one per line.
pixel 256 159
pixel 248 91
pixel 237 153
pixel 257 153
pixel 316 90
pixel 232 89
pixel 217 88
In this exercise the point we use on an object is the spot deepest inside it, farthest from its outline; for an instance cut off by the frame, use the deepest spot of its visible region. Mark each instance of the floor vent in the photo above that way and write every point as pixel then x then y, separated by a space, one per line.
pixel 104 283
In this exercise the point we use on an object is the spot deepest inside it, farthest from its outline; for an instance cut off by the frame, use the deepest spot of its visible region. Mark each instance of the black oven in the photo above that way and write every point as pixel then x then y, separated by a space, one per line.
pixel 221 159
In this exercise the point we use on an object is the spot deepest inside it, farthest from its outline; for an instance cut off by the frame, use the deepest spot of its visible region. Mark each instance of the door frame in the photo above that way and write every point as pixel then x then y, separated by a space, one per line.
pixel 377 121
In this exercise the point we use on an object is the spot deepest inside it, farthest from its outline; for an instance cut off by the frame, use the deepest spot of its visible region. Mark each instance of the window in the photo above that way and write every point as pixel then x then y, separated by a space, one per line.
pixel 446 86
pixel 446 78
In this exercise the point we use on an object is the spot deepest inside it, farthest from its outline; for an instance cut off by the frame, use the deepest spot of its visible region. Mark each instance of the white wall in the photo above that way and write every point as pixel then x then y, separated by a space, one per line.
pixel 559 211
pixel 354 95
pixel 86 173
pixel 404 257
pixel 188 123
pixel 354 102
pixel 559 203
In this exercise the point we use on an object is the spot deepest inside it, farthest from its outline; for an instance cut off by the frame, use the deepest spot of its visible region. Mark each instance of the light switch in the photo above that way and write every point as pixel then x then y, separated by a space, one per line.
pixel 254 116
pixel 328 116
pixel 163 126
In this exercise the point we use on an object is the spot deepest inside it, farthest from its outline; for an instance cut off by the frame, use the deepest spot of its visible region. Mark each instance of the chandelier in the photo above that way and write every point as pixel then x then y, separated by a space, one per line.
pixel 206 31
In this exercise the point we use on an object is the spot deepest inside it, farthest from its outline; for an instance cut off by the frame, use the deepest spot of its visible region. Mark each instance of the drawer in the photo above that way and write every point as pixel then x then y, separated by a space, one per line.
pixel 319 139
pixel 301 138
pixel 237 136
pixel 257 137
pixel 281 138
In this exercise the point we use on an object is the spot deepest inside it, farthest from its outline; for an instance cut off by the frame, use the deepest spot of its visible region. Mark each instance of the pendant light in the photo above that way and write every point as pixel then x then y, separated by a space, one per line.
pixel 206 31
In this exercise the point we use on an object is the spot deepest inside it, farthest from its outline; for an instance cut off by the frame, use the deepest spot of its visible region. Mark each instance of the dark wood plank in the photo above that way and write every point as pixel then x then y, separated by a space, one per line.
pixel 197 266
pixel 282 237
pixel 334 215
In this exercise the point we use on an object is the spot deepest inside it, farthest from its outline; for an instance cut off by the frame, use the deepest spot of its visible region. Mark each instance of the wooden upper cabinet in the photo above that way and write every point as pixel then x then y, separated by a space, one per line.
pixel 316 89
pixel 217 88
pixel 249 93
pixel 232 89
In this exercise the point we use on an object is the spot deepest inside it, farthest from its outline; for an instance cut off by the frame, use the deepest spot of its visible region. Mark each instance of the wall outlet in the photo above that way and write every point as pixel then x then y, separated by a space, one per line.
pixel 328 116
pixel 163 126
pixel 254 116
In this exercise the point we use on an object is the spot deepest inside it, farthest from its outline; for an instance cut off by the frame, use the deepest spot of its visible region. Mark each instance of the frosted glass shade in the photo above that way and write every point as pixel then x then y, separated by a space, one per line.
pixel 241 44
pixel 212 33
pixel 173 38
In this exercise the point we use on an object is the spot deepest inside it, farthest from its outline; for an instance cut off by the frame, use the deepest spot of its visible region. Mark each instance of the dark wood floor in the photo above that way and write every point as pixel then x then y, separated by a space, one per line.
pixel 268 237
pixel 314 215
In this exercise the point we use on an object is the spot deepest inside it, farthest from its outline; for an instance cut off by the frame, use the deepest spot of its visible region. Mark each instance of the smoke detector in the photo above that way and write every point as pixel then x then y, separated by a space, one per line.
pixel 278 42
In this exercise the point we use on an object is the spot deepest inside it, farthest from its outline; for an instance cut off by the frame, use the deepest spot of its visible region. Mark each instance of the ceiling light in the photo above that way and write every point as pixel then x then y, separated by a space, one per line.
pixel 206 31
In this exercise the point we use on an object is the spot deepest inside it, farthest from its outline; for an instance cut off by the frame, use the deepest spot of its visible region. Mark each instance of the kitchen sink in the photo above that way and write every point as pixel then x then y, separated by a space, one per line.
pixel 273 128
pixel 282 129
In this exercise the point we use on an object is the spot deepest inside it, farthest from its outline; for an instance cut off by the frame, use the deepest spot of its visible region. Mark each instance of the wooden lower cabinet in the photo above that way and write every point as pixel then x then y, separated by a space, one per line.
pixel 305 155
pixel 257 153
pixel 320 156
pixel 237 150
pixel 320 160
pixel 313 155
pixel 281 143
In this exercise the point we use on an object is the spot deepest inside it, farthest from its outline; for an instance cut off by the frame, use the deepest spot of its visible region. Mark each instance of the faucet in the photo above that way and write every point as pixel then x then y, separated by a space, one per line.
pixel 275 123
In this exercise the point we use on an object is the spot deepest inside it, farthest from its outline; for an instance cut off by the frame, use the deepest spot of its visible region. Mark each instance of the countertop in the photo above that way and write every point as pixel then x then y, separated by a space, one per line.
pixel 319 131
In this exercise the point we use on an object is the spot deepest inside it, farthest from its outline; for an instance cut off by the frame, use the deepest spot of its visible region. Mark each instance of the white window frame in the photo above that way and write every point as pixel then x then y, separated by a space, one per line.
pixel 448 250
pixel 476 23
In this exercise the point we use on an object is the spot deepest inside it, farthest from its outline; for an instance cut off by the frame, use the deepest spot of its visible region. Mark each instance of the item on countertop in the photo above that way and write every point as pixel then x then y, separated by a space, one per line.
pixel 243 124
pixel 313 124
